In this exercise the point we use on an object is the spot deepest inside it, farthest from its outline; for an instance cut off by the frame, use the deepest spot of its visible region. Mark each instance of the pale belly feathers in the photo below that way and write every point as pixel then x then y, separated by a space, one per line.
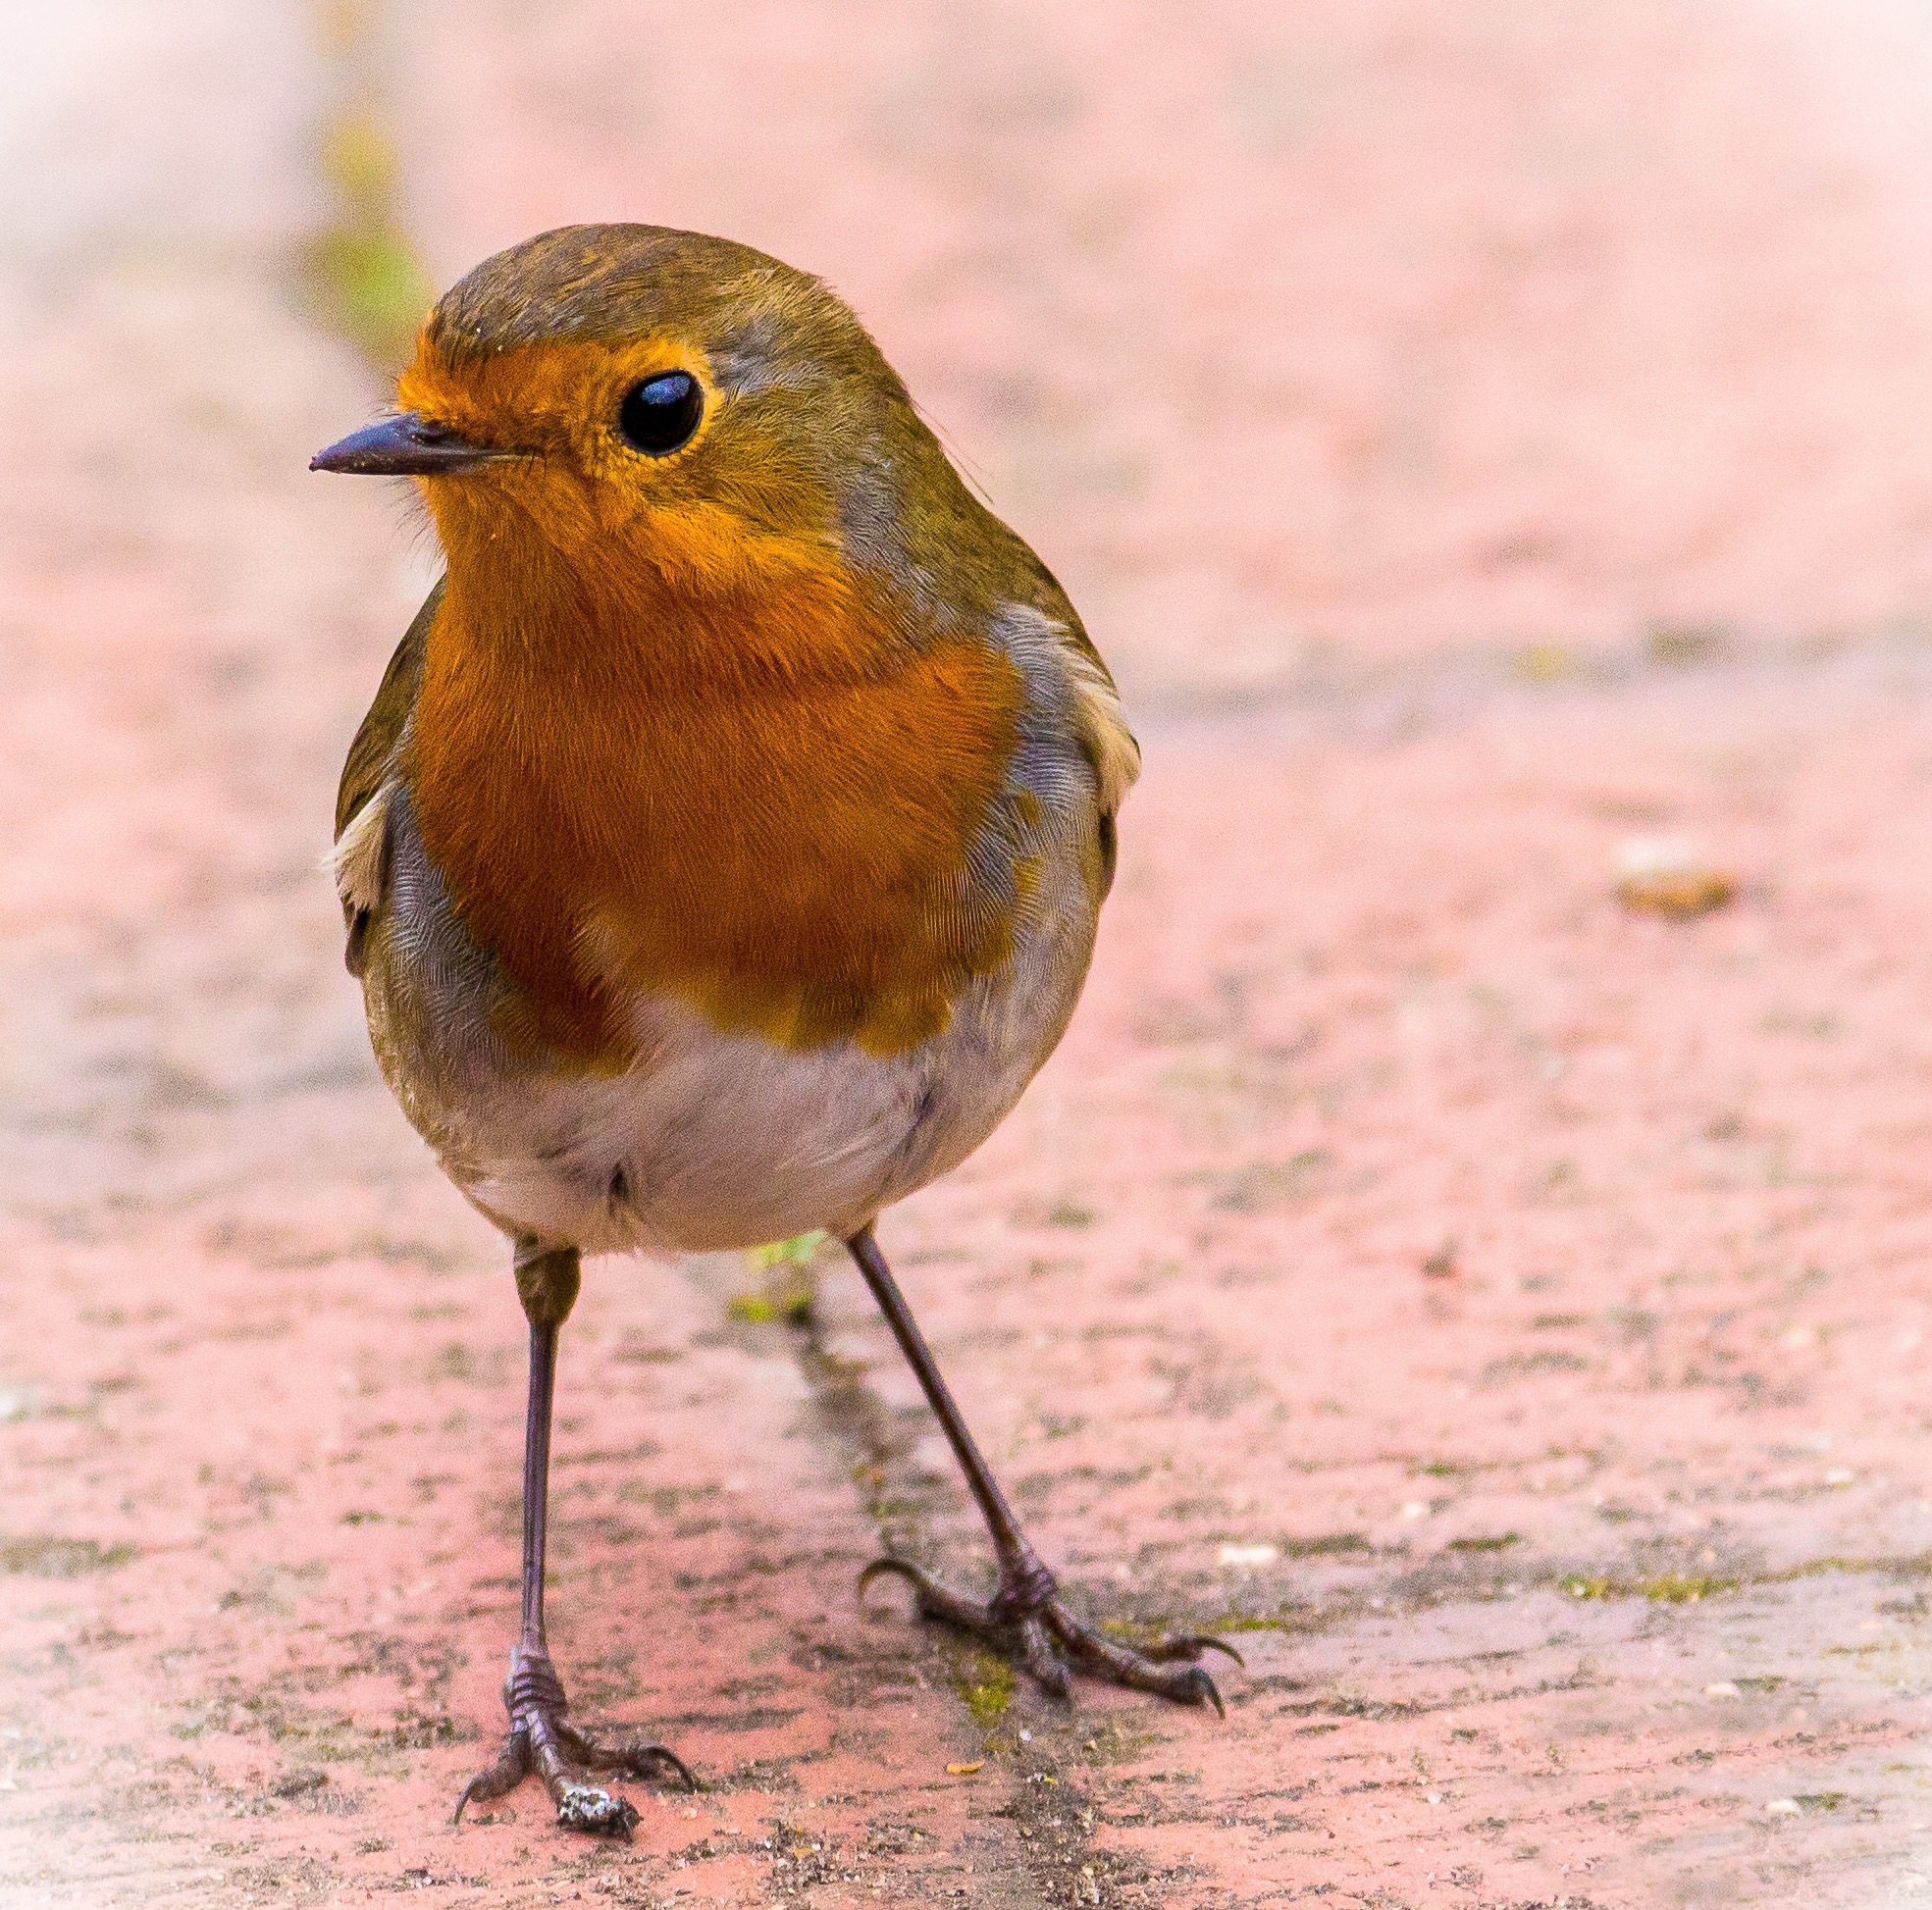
pixel 710 1139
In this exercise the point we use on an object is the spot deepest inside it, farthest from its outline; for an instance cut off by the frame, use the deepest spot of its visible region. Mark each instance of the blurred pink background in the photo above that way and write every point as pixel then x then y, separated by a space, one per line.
pixel 1379 325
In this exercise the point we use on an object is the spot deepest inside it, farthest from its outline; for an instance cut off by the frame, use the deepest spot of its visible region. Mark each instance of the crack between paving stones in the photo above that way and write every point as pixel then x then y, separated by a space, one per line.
pixel 1362 697
pixel 1047 1856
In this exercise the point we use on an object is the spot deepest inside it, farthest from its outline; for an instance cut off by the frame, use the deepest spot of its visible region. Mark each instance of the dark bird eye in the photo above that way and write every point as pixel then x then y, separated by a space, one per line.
pixel 661 413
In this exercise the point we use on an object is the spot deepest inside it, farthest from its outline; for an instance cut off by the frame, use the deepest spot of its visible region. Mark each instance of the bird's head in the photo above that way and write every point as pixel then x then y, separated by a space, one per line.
pixel 637 410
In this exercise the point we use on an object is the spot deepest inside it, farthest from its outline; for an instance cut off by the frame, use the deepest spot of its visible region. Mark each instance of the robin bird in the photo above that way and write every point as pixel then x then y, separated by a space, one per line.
pixel 722 851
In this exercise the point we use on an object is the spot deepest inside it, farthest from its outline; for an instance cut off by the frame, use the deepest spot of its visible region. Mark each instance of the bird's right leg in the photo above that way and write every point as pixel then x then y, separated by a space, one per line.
pixel 541 1740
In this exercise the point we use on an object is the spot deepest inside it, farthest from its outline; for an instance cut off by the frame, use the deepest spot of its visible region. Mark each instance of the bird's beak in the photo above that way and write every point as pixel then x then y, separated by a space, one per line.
pixel 407 446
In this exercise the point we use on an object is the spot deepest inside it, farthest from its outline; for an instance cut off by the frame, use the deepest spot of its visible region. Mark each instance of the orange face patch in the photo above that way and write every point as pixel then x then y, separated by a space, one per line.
pixel 714 518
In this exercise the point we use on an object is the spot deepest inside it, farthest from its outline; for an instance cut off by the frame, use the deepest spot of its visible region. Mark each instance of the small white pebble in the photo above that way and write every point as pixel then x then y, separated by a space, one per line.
pixel 1723 1688
pixel 1413 1509
pixel 1259 1554
pixel 1840 1476
pixel 1025 1736
pixel 1435 1797
pixel 1783 1807
pixel 1654 856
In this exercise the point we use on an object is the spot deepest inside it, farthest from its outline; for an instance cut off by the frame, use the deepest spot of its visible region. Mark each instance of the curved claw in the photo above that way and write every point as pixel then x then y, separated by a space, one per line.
pixel 634 1760
pixel 638 1761
pixel 1201 1689
pixel 640 1758
pixel 889 1567
pixel 1192 1647
pixel 499 1780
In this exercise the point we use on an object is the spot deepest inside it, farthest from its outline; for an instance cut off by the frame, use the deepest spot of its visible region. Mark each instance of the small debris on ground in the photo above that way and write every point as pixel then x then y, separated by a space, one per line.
pixel 1668 876
pixel 1250 1555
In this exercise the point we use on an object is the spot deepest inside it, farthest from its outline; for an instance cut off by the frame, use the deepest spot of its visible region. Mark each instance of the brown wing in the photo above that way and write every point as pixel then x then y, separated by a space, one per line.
pixel 373 747
pixel 360 849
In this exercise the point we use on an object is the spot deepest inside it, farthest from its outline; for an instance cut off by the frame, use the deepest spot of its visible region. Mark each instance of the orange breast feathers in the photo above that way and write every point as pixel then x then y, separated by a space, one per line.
pixel 755 800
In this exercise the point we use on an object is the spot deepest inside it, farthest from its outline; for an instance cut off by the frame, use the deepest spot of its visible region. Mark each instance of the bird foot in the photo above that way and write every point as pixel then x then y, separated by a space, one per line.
pixel 544 1743
pixel 1027 1621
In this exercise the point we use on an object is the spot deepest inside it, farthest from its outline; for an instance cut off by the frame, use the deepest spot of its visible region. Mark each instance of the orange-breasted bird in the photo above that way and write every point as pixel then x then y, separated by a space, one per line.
pixel 722 853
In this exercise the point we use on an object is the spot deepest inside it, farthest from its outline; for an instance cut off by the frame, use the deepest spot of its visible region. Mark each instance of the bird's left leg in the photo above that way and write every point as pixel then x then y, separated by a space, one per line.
pixel 543 1743
pixel 1025 1617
